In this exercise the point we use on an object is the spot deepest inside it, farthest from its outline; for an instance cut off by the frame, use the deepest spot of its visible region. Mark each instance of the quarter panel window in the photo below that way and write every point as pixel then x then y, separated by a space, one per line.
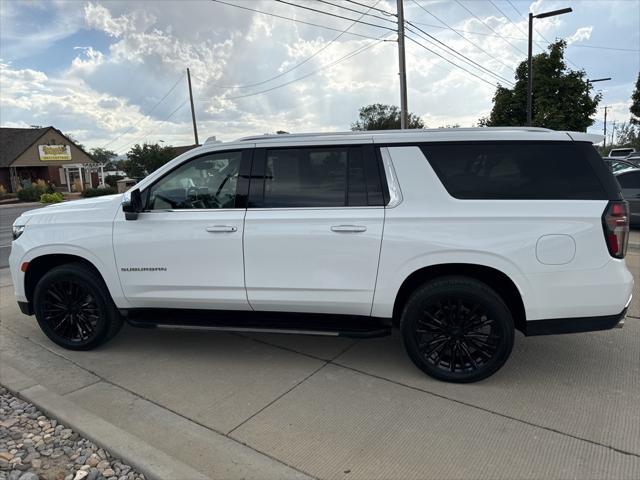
pixel 516 170
pixel 205 182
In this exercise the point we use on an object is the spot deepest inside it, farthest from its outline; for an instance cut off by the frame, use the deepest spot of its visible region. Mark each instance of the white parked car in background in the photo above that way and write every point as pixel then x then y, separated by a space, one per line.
pixel 457 237
pixel 621 152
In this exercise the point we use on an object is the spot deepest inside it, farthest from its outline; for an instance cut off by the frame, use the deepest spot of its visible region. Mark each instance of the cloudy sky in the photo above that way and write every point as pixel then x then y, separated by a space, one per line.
pixel 113 73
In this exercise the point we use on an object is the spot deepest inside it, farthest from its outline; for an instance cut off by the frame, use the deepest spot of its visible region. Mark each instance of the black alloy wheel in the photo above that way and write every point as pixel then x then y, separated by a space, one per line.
pixel 457 329
pixel 74 308
pixel 71 311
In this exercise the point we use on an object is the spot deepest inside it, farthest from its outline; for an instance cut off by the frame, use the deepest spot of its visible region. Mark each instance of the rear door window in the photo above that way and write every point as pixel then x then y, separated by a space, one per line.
pixel 315 177
pixel 516 170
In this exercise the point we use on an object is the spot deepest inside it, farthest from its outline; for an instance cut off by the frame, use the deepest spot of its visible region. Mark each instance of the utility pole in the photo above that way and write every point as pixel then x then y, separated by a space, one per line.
pixel 404 115
pixel 613 133
pixel 193 112
pixel 604 145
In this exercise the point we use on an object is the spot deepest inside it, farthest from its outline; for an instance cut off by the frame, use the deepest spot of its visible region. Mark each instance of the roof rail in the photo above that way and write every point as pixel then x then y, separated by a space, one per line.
pixel 268 136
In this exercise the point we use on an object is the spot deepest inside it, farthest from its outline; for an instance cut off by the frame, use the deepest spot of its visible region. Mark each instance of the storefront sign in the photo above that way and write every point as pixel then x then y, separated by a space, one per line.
pixel 51 153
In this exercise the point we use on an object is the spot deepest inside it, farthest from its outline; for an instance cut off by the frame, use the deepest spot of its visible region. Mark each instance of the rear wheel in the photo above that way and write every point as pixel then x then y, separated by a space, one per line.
pixel 74 309
pixel 457 329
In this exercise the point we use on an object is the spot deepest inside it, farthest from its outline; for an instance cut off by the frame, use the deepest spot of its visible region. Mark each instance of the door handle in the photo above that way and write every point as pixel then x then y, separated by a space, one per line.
pixel 348 228
pixel 221 229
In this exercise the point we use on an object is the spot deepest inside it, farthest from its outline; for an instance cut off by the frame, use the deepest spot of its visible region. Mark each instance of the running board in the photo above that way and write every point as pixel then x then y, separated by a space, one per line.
pixel 259 322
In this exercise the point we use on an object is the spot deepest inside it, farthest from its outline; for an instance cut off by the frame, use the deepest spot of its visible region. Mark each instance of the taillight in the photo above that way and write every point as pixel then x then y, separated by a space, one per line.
pixel 615 222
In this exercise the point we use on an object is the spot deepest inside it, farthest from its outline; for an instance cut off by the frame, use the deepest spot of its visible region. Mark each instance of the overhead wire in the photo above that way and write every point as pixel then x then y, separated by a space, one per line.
pixel 299 64
pixel 464 57
pixel 242 7
pixel 149 112
pixel 390 14
pixel 335 15
pixel 156 128
pixel 323 67
pixel 386 19
pixel 540 35
pixel 462 36
pixel 489 27
pixel 449 61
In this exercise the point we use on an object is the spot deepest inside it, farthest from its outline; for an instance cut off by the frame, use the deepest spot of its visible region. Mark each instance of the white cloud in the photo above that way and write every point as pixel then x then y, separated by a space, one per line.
pixel 582 33
pixel 115 90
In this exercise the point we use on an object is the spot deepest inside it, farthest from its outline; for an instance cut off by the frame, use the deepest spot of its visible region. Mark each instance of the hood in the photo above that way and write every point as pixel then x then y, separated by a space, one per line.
pixel 105 202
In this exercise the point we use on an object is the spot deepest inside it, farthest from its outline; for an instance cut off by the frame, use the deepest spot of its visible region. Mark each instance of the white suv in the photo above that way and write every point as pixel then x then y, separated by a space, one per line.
pixel 457 237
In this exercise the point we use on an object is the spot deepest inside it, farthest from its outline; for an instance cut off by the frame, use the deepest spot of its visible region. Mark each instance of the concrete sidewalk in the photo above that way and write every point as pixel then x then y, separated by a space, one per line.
pixel 273 406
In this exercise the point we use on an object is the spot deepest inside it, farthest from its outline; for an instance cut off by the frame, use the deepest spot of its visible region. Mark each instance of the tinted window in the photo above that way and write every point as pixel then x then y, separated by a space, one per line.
pixel 206 182
pixel 316 177
pixel 629 180
pixel 516 170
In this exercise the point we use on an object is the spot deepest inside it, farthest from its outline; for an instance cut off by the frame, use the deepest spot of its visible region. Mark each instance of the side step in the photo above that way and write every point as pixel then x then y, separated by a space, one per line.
pixel 260 322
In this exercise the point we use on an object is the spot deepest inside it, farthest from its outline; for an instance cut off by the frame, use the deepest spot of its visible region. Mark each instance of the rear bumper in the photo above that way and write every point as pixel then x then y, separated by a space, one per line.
pixel 574 325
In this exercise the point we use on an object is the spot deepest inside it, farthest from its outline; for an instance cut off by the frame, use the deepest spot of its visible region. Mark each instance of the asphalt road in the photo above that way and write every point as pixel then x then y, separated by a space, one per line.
pixel 8 214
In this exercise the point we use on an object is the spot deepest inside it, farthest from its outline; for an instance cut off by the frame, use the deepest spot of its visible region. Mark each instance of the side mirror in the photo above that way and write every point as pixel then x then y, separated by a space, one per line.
pixel 133 206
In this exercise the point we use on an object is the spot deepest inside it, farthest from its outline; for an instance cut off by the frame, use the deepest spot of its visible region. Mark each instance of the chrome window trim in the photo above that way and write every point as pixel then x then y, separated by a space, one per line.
pixel 395 194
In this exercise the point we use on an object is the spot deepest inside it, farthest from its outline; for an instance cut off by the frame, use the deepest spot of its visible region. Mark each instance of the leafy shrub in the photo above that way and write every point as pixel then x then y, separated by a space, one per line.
pixel 97 192
pixel 55 197
pixel 35 191
pixel 30 194
pixel 112 180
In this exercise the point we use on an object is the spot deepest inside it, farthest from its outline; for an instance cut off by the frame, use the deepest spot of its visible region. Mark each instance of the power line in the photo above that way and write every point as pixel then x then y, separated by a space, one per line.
pixel 489 27
pixel 513 23
pixel 149 112
pixel 323 67
pixel 540 35
pixel 468 60
pixel 372 8
pixel 522 39
pixel 452 63
pixel 510 67
pixel 335 15
pixel 605 48
pixel 293 19
pixel 386 19
pixel 299 64
pixel 155 129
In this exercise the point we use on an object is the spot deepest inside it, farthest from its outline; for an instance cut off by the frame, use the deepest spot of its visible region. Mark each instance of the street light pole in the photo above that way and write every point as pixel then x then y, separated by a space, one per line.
pixel 530 59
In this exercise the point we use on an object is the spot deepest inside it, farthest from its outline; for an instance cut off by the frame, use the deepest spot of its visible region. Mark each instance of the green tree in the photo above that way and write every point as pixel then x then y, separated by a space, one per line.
pixel 102 155
pixel 628 135
pixel 561 97
pixel 383 117
pixel 144 159
pixel 635 104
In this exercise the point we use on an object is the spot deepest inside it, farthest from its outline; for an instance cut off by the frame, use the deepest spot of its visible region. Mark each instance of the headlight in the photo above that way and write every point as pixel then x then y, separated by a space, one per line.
pixel 17 231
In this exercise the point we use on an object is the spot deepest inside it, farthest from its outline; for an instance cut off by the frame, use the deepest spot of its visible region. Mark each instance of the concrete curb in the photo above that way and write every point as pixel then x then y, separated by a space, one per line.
pixel 153 463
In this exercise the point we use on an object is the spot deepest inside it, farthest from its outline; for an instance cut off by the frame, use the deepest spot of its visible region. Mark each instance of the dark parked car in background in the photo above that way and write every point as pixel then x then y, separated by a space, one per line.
pixel 617 165
pixel 629 180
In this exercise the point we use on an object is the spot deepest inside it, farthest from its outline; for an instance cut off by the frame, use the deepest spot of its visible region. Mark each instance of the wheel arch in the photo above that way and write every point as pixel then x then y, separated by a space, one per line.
pixel 494 278
pixel 42 264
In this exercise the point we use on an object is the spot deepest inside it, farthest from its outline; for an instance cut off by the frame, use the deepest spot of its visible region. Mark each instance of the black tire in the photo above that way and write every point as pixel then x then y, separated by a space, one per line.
pixel 457 329
pixel 74 308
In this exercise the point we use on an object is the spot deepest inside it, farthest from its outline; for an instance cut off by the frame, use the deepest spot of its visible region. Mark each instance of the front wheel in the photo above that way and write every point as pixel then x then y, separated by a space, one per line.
pixel 74 309
pixel 457 329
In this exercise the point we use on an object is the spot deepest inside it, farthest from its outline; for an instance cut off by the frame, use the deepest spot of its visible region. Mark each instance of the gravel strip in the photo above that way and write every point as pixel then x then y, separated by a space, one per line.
pixel 34 447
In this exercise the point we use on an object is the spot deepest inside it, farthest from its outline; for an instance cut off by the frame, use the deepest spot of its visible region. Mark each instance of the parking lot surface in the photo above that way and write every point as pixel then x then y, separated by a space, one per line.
pixel 280 406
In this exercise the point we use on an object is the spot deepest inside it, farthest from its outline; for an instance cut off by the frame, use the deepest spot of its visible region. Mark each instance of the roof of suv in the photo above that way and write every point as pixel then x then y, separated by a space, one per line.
pixel 424 135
